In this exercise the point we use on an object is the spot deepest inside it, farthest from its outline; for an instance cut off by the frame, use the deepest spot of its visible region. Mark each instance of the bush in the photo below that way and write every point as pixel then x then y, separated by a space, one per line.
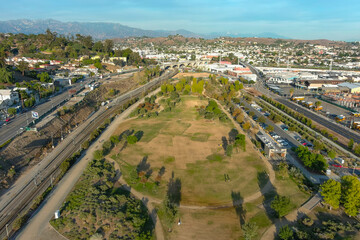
pixel 285 233
pixel 131 139
pixel 19 222
pixel 229 150
pixel 98 155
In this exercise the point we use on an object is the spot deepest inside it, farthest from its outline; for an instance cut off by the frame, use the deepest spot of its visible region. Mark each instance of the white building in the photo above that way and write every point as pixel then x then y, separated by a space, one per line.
pixel 8 97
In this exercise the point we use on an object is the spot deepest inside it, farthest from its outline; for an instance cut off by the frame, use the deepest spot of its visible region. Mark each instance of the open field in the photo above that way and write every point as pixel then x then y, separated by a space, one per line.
pixel 192 149
pixel 192 74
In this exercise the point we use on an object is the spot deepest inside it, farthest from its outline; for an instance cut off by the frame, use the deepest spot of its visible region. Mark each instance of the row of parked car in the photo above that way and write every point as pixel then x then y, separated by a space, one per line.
pixel 304 142
pixel 278 139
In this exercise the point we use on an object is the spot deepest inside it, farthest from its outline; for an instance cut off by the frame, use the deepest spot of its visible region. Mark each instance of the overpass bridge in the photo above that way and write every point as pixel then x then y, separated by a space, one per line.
pixel 181 64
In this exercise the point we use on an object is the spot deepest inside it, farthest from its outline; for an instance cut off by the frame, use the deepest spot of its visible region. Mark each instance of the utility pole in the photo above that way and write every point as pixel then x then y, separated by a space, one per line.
pixel 355 165
pixel 331 63
pixel 52 140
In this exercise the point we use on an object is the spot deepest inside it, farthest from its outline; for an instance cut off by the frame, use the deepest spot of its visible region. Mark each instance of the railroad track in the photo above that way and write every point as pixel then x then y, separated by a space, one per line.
pixel 23 199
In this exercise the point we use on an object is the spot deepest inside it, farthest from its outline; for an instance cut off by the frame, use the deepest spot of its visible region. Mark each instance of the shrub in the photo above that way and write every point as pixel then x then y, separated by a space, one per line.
pixel 131 139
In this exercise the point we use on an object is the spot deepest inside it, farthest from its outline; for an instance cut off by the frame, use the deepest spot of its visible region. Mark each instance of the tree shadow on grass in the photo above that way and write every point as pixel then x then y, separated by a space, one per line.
pixel 144 167
pixel 263 180
pixel 224 142
pixel 269 195
pixel 174 190
pixel 238 200
pixel 125 134
pixel 232 135
pixel 139 135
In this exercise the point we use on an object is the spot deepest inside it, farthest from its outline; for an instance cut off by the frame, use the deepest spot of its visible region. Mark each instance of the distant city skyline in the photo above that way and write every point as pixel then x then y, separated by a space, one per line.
pixel 291 18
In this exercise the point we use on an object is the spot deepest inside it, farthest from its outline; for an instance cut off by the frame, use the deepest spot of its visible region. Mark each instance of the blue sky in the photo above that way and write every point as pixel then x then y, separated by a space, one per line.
pixel 303 19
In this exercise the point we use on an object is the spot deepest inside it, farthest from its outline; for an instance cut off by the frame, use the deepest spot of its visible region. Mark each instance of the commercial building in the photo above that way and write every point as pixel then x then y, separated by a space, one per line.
pixel 271 148
pixel 353 87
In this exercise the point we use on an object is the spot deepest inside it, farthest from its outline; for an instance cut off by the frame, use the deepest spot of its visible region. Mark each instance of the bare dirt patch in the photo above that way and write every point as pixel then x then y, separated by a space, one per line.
pixel 191 74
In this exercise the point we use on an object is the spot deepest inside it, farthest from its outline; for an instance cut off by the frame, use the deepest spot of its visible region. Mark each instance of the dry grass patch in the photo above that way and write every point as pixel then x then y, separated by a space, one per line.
pixel 190 148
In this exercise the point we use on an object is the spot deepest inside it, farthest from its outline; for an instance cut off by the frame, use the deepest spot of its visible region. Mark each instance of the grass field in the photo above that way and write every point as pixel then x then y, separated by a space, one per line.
pixel 191 149
pixel 183 145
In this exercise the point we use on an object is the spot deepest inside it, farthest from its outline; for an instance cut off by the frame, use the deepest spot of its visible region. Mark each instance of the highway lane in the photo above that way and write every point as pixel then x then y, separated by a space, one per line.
pixel 334 127
pixel 23 189
pixel 22 120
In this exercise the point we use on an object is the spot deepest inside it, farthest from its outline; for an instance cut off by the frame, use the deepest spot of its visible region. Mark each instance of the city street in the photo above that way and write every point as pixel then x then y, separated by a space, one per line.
pixel 22 120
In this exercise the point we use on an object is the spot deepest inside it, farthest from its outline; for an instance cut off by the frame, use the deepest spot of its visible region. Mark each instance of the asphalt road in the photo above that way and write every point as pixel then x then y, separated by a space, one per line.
pixel 333 126
pixel 315 178
pixel 12 128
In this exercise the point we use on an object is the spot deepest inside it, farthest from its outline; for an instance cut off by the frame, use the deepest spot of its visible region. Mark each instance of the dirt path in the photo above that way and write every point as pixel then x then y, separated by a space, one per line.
pixel 38 226
pixel 291 217
pixel 148 201
pixel 268 187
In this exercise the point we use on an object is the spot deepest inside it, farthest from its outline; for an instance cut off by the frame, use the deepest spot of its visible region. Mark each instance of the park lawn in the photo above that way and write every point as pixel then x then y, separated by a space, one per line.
pixel 206 224
pixel 189 148
pixel 287 187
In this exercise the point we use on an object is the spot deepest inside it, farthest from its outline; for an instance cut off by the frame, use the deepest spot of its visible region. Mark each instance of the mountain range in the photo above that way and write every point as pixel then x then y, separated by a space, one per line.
pixel 103 30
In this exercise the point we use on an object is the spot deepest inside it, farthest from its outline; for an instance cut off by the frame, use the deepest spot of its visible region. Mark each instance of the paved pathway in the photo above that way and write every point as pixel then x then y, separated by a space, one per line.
pixel 38 226
pixel 291 217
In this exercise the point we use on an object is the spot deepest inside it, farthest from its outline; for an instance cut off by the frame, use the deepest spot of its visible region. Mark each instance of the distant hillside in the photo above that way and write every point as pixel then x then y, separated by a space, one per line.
pixel 242 35
pixel 98 30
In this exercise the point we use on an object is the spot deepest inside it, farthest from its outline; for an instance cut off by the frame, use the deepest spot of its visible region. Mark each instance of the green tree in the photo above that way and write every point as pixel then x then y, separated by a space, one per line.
pixel 261 119
pixel 246 125
pixel 168 212
pixel 108 45
pixel 351 144
pixel 98 65
pixel 98 47
pixel 332 154
pixel 285 233
pixel 131 139
pixel 179 87
pixel 240 141
pixel 44 77
pixel 269 128
pixel 114 139
pixel 229 150
pixel 318 103
pixel 350 195
pixel 357 149
pixel 281 205
pixel 98 155
pixel 6 76
pixel 250 230
pixel 170 88
pixel 331 192
pixel 163 88
pixel 12 111
pixel 22 67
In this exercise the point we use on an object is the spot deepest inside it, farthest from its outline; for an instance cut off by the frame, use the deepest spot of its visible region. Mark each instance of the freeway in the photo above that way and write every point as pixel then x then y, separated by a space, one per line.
pixel 22 120
pixel 13 128
pixel 326 123
pixel 32 183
